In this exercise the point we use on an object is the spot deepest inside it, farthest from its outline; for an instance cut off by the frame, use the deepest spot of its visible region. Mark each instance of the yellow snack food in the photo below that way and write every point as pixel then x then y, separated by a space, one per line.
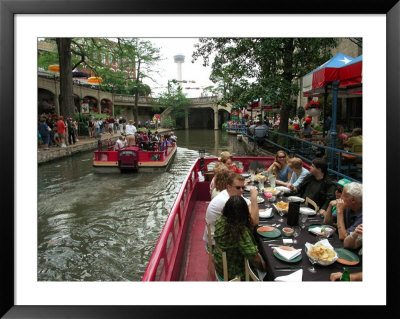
pixel 282 205
pixel 322 253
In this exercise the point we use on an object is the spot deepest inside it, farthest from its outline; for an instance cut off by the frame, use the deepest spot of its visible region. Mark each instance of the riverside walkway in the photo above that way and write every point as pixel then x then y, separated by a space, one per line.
pixel 84 144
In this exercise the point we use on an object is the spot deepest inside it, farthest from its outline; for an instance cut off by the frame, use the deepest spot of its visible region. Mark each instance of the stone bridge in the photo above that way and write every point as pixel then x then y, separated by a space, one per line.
pixel 49 86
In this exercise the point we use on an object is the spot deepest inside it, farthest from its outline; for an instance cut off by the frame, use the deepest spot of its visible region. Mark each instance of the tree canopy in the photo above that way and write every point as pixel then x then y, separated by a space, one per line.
pixel 244 69
pixel 122 63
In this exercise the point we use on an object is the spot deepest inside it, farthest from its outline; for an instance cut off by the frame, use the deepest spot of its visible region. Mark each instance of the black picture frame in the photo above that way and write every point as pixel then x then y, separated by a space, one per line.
pixel 8 10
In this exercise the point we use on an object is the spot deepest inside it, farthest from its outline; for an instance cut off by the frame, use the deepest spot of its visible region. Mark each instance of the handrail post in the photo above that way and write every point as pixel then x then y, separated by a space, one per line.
pixel 335 87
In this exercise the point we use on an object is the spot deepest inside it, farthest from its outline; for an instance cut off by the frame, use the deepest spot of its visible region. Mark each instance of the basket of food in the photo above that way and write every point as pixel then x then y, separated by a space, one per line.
pixel 260 177
pixel 322 253
pixel 272 190
pixel 281 206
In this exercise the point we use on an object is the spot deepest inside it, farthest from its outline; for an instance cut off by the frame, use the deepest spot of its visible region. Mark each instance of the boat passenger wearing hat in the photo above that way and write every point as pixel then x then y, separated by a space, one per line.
pixel 130 133
pixel 330 214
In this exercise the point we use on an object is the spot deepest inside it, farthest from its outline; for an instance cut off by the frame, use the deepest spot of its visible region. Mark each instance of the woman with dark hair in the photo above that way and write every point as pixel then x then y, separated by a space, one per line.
pixel 233 234
pixel 318 186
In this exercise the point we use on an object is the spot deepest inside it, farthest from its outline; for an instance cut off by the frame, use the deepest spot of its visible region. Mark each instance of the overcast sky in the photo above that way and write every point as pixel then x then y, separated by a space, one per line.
pixel 169 47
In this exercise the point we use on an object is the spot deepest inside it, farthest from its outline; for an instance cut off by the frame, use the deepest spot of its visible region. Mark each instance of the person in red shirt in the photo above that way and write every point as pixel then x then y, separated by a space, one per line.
pixel 61 130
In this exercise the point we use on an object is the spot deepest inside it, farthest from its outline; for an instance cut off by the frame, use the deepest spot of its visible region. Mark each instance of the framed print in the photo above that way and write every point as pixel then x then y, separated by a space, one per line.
pixel 179 19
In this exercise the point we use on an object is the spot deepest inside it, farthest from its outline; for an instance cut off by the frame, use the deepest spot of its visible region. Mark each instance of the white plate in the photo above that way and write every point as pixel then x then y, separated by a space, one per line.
pixel 265 213
pixel 295 199
pixel 307 211
pixel 283 189
pixel 260 200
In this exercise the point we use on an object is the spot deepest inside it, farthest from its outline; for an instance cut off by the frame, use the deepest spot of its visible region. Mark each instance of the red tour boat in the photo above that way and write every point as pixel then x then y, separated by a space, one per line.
pixel 147 157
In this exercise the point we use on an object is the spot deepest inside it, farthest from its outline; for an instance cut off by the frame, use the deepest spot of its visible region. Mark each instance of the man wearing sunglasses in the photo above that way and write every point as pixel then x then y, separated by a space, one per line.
pixel 235 186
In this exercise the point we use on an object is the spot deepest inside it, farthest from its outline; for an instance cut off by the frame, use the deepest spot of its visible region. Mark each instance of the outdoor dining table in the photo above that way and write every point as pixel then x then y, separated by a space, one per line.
pixel 277 268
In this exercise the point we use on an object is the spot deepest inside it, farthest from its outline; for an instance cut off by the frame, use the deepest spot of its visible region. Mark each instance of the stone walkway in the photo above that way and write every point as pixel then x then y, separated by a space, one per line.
pixel 84 144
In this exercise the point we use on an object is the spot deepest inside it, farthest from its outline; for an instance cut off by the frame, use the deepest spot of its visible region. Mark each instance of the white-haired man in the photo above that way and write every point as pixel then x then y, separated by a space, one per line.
pixel 349 209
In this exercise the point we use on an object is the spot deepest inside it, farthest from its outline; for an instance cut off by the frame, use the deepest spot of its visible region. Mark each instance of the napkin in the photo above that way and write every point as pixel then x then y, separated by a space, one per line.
pixel 295 199
pixel 288 254
pixel 283 189
pixel 265 213
pixel 287 241
pixel 318 230
pixel 295 276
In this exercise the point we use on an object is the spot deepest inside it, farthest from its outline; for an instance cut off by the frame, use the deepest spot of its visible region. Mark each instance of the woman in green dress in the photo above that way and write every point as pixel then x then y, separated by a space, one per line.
pixel 233 234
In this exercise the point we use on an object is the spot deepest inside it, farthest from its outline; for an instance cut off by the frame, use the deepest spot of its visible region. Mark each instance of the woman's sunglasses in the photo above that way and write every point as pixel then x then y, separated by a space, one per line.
pixel 239 187
pixel 281 156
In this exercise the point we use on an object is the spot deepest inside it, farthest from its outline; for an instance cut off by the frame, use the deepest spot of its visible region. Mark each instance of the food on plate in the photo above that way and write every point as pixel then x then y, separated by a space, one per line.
pixel 286 248
pixel 282 205
pixel 322 253
pixel 260 199
pixel 263 229
pixel 260 177
pixel 272 190
pixel 287 229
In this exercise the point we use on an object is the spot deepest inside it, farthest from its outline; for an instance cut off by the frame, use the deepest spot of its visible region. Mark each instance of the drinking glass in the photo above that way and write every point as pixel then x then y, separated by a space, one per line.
pixel 261 186
pixel 296 231
pixel 272 181
pixel 252 176
pixel 280 212
pixel 302 220
pixel 268 195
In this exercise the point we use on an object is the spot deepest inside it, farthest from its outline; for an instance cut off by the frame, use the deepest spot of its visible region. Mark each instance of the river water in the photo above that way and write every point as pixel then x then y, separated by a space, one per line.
pixel 103 227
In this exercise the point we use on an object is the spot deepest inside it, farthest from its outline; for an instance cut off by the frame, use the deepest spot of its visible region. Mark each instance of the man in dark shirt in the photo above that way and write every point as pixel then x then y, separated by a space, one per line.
pixel 317 185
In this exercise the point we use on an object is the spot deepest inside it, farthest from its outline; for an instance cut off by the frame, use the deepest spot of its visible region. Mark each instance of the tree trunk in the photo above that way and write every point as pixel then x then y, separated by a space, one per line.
pixel 66 93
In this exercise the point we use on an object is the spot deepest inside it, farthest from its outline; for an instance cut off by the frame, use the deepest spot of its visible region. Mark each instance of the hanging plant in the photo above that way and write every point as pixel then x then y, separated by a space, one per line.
pixel 312 105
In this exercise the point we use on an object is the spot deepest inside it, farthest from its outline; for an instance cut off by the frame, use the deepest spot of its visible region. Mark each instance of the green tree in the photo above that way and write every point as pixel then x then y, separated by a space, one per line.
pixel 247 68
pixel 174 100
pixel 134 57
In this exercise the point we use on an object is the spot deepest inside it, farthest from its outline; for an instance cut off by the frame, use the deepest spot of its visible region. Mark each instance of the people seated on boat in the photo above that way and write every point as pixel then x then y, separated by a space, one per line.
pixel 260 132
pixel 354 141
pixel 317 185
pixel 233 235
pixel 173 137
pixel 252 127
pixel 130 133
pixel 221 180
pixel 155 137
pixel 330 214
pixel 120 143
pixel 298 173
pixel 235 186
pixel 353 240
pixel 349 209
pixel 219 167
pixel 280 168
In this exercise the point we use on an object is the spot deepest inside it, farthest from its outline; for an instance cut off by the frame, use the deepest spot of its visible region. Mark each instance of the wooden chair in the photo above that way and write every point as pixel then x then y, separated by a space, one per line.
pixel 225 269
pixel 210 251
pixel 312 203
pixel 248 272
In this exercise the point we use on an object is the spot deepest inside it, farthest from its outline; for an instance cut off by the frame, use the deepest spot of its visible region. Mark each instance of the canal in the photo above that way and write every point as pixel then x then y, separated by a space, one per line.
pixel 103 227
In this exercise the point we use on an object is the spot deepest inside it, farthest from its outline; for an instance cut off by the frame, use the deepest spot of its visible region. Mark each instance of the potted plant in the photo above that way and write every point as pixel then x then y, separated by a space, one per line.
pixel 312 108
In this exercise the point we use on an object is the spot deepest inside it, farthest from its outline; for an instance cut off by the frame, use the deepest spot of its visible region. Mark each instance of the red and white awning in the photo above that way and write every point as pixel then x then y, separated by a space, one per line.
pixel 351 74
pixel 314 82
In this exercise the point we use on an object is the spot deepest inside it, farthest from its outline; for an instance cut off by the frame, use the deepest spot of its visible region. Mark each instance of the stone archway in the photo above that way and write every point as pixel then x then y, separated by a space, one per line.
pixel 223 117
pixel 46 101
pixel 107 106
pixel 93 103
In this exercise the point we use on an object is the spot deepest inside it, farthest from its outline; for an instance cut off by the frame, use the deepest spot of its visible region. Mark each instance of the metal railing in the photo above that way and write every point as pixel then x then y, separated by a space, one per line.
pixel 341 164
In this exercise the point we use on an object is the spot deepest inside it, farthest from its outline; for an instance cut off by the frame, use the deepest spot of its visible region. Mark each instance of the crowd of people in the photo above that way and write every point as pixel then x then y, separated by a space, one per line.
pixel 57 131
pixel 232 218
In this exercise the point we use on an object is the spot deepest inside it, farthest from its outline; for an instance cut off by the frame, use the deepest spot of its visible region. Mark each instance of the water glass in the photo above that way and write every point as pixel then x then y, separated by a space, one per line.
pixel 272 181
pixel 303 220
pixel 261 186
pixel 296 231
